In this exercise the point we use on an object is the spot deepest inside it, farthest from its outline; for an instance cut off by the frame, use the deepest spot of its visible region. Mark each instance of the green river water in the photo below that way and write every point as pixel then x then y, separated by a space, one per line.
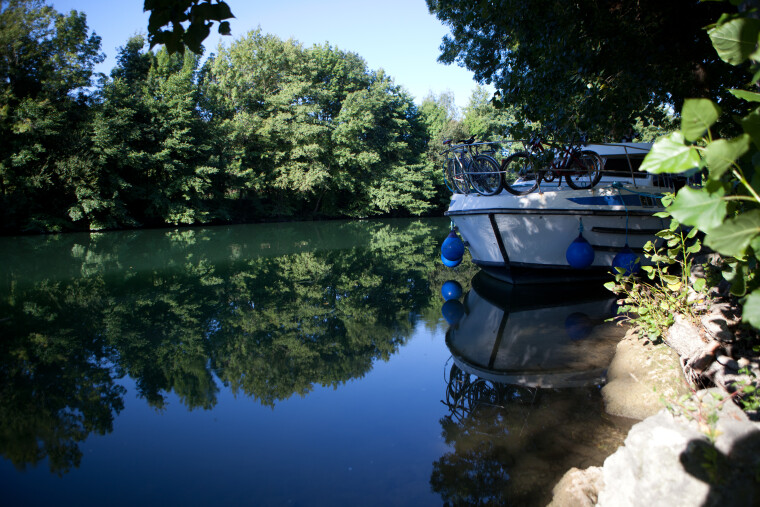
pixel 290 364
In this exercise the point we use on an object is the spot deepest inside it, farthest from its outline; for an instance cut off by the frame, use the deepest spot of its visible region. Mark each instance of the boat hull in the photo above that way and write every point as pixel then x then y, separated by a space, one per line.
pixel 524 239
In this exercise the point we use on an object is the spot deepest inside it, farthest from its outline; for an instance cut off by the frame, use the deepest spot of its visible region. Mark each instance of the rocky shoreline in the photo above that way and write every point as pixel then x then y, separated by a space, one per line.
pixel 701 450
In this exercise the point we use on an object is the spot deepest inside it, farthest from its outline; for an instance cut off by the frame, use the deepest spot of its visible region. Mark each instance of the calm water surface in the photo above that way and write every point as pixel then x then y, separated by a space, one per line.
pixel 290 364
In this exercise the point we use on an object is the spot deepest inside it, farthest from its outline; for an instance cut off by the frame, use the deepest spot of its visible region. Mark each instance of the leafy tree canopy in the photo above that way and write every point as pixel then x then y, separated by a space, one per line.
pixel 586 65
pixel 46 64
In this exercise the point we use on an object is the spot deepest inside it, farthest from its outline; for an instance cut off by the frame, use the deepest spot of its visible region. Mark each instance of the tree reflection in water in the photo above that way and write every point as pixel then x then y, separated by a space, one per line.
pixel 269 310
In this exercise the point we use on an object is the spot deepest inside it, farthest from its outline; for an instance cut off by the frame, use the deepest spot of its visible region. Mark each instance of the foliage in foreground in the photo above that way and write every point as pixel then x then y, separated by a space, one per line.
pixel 651 303
pixel 726 208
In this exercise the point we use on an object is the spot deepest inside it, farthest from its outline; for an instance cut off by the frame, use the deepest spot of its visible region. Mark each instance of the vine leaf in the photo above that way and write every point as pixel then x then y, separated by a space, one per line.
pixel 669 154
pixel 698 115
pixel 735 40
pixel 720 154
pixel 746 95
pixel 734 235
pixel 751 125
pixel 699 208
pixel 751 309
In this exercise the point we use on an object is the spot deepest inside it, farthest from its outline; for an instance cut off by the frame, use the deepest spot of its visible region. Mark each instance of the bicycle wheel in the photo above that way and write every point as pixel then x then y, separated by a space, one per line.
pixel 485 176
pixel 586 170
pixel 448 175
pixel 459 177
pixel 520 173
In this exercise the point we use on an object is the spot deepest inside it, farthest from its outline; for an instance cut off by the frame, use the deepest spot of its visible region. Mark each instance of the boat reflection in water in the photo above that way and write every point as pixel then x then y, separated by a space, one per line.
pixel 534 335
pixel 523 391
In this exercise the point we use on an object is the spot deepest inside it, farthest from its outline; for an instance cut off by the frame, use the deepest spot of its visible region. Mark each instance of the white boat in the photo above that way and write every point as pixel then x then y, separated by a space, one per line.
pixel 524 239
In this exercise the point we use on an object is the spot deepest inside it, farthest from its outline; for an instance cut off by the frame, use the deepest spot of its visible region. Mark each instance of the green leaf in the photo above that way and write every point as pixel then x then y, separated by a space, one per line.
pixel 751 125
pixel 734 235
pixel 738 285
pixel 699 208
pixel 699 284
pixel 735 40
pixel 722 153
pixel 751 309
pixel 746 95
pixel 669 154
pixel 697 116
pixel 695 248
pixel 755 244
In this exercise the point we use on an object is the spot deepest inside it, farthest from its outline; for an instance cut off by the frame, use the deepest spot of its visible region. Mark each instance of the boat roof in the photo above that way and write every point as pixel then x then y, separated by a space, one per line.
pixel 611 150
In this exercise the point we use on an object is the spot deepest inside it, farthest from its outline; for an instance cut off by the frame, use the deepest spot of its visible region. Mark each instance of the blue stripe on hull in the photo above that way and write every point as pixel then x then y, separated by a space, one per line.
pixel 607 200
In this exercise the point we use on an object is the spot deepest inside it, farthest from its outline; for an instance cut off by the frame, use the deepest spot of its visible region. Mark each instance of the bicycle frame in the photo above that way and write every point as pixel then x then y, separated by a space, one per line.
pixel 455 155
pixel 581 169
pixel 467 168
pixel 566 158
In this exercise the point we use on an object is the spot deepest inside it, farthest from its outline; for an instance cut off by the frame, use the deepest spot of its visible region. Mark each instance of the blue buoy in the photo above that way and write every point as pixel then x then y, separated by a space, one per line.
pixel 451 290
pixel 452 311
pixel 578 326
pixel 452 248
pixel 450 264
pixel 580 253
pixel 626 259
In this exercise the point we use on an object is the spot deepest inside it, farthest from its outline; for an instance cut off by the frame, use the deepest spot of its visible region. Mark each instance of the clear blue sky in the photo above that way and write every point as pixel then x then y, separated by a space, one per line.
pixel 399 36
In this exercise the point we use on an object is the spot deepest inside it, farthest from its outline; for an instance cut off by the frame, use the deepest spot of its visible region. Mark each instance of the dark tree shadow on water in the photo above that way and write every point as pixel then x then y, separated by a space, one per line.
pixel 734 479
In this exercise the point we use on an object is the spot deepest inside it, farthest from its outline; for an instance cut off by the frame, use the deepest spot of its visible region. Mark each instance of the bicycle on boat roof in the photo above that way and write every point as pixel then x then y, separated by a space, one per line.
pixel 465 167
pixel 523 172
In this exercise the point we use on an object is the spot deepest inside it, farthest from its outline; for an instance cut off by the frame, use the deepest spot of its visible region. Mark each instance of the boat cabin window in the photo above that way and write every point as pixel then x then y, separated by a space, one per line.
pixel 618 166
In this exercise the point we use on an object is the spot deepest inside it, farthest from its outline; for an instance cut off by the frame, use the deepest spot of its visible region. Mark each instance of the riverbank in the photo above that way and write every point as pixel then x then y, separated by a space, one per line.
pixel 692 447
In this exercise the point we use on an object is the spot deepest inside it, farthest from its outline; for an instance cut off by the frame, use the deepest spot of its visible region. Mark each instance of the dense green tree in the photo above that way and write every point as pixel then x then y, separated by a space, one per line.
pixel 259 91
pixel 379 142
pixel 266 129
pixel 442 120
pixel 150 145
pixel 46 64
pixel 485 121
pixel 314 131
pixel 588 65
pixel 437 112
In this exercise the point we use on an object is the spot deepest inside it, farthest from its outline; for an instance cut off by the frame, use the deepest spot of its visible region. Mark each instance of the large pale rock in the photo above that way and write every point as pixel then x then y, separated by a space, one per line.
pixel 578 488
pixel 669 460
pixel 640 376
pixel 647 470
